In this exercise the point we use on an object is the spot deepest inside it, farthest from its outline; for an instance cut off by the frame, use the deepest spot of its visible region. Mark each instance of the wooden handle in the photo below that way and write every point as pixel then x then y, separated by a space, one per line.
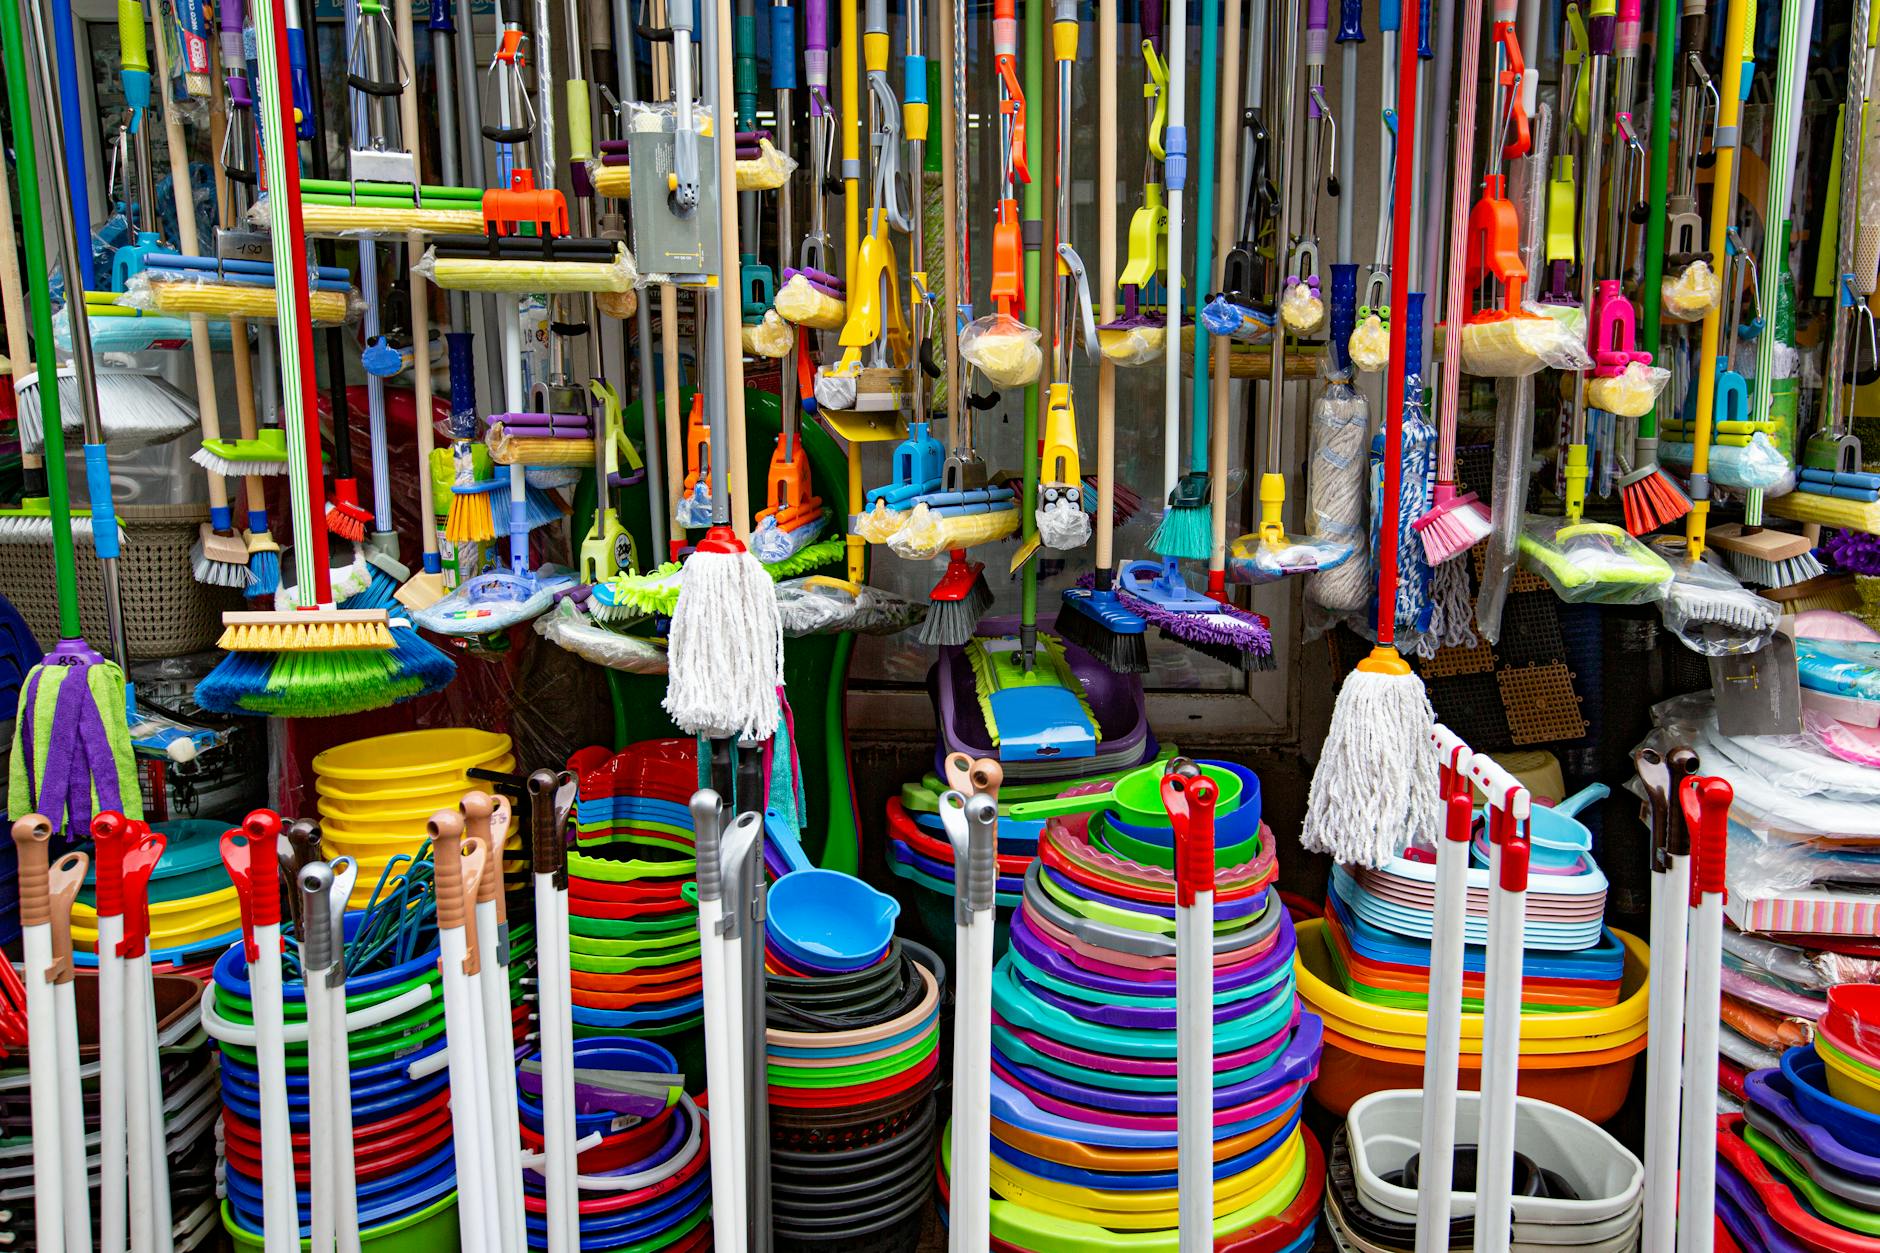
pixel 30 836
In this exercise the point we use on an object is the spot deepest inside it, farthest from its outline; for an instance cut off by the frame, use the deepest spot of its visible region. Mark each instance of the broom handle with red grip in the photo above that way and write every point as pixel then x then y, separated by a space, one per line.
pixel 1405 182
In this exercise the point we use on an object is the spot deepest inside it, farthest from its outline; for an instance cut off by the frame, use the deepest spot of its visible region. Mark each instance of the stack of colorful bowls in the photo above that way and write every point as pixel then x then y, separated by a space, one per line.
pixel 1083 1038
pixel 632 914
pixel 1575 1186
pixel 917 846
pixel 1800 1166
pixel 654 1134
pixel 190 1102
pixel 854 1055
pixel 400 1102
pixel 375 794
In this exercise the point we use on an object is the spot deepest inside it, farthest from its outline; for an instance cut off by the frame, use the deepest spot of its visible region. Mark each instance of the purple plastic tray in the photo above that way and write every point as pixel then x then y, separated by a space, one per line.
pixel 1245 908
pixel 1770 1095
pixel 1742 1212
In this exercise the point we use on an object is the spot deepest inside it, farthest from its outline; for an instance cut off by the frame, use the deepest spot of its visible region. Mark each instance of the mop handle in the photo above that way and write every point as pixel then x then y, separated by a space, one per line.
pixel 1456 307
pixel 549 852
pixel 108 829
pixel 248 855
pixel 1394 384
pixel 1495 781
pixel 140 863
pixel 62 883
pixel 1190 805
pixel 1706 804
pixel 31 834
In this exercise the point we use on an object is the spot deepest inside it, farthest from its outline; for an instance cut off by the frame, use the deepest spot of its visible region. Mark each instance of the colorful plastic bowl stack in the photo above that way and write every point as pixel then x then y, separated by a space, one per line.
pixel 190 1102
pixel 646 1183
pixel 1365 969
pixel 400 1101
pixel 632 919
pixel 917 846
pixel 1083 1038
pixel 375 794
pixel 1799 1168
pixel 1575 1187
pixel 853 1058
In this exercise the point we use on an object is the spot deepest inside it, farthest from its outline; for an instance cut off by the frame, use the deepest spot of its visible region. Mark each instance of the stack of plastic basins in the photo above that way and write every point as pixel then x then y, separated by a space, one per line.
pixel 375 794
pixel 190 1103
pixel 854 1056
pixel 1084 1046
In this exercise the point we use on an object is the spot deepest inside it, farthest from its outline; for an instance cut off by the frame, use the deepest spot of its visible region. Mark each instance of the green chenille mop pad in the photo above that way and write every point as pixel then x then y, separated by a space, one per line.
pixel 106 694
pixel 1593 561
pixel 997 672
pixel 657 592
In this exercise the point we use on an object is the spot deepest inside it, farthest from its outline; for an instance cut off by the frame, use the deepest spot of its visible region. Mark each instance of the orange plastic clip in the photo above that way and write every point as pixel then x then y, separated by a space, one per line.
pixel 698 444
pixel 1521 141
pixel 522 204
pixel 1008 257
pixel 791 501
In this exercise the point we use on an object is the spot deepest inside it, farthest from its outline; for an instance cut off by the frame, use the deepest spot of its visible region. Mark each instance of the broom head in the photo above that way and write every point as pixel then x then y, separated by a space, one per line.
pixel 1651 500
pixel 1453 525
pixel 319 630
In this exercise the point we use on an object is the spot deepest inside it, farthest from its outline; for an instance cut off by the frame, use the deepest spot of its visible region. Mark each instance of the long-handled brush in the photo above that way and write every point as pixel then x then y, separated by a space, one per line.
pixel 1375 787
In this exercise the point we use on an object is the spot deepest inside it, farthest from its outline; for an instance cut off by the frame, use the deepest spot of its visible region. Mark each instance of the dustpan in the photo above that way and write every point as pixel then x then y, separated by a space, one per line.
pixel 1592 562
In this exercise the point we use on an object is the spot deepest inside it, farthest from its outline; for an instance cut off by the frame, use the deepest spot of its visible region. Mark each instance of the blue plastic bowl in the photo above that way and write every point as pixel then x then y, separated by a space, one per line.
pixel 829 920
pixel 231 971
pixel 1236 826
pixel 1808 1077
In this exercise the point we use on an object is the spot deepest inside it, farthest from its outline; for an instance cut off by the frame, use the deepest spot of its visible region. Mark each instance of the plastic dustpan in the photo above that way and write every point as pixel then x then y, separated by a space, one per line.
pixel 1593 562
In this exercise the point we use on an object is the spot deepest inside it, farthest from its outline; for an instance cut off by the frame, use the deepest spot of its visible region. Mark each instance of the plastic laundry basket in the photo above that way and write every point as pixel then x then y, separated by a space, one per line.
pixel 166 612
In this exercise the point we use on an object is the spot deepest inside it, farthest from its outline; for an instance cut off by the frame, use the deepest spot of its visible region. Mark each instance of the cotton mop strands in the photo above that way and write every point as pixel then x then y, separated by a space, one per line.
pixel 1375 788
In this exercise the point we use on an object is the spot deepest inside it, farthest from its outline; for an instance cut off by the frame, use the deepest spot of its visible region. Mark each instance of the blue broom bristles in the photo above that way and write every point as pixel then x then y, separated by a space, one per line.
pixel 264 573
pixel 235 677
pixel 380 593
pixel 420 659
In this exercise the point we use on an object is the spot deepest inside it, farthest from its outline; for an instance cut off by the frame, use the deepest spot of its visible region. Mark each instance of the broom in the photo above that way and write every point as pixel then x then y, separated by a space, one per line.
pixel 1375 787
pixel 321 661
pixel 1094 619
pixel 71 743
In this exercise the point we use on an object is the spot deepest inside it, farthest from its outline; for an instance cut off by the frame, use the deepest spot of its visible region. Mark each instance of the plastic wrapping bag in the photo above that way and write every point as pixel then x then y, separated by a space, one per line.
pixel 693 509
pixel 1756 466
pixel 1593 562
pixel 1705 606
pixel 1514 446
pixel 1849 668
pixel 801 302
pixel 1631 393
pixel 181 294
pixel 773 543
pixel 510 274
pixel 1133 344
pixel 928 533
pixel 1302 308
pixel 1369 345
pixel 818 605
pixel 1063 524
pixel 569 627
pixel 771 337
pixel 1221 316
pixel 1510 347
pixel 621 304
pixel 352 221
pixel 878 525
pixel 768 170
pixel 1335 496
pixel 1691 294
pixel 1003 349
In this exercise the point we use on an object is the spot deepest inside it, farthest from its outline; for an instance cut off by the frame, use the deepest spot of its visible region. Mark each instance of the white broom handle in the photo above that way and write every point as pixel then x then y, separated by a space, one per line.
pixel 1443 1047
pixel 1697 1172
pixel 43 1058
pixel 734 854
pixel 321 1148
pixel 1194 1072
pixel 279 1210
pixel 137 1112
pixel 138 972
pixel 1664 1058
pixel 74 1173
pixel 346 1174
pixel 113 1168
pixel 499 1050
pixel 551 905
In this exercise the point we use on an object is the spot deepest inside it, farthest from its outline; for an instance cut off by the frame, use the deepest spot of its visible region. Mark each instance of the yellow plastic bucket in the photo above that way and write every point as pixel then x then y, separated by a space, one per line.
pixel 436 791
pixel 409 757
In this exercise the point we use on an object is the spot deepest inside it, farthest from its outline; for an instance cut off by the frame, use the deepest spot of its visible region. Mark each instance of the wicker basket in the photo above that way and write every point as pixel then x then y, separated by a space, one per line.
pixel 166 612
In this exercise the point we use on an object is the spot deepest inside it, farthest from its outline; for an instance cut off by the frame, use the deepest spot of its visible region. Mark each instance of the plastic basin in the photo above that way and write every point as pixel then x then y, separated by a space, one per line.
pixel 444 789
pixel 1848 1079
pixel 431 1228
pixel 408 758
pixel 830 919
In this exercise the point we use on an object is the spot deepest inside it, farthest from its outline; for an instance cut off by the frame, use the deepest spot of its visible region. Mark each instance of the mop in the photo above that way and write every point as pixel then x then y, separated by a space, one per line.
pixel 1670 894
pixel 812 296
pixel 1094 618
pixel 1190 806
pixel 313 887
pixel 727 1162
pixel 550 795
pixel 1374 788
pixel 1138 336
pixel 1508 812
pixel 1706 806
pixel 51 1119
pixel 972 829
pixel 1369 344
pixel 248 852
pixel 487 819
pixel 1443 1036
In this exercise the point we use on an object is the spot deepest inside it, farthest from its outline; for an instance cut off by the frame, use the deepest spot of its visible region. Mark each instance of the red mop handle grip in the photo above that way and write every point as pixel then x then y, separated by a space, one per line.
pixel 1190 805
pixel 248 854
pixel 1514 864
pixel 140 863
pixel 1706 803
pixel 108 831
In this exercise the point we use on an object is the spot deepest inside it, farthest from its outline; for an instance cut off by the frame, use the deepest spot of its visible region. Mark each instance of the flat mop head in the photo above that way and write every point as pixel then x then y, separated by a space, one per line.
pixel 57 768
pixel 1375 789
pixel 1162 599
pixel 495 601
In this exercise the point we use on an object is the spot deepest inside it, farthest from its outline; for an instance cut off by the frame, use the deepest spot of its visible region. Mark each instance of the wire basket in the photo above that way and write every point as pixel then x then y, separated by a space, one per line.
pixel 166 612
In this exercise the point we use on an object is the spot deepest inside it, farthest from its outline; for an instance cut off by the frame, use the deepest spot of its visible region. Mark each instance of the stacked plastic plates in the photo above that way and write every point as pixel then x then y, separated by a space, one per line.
pixel 9 896
pixel 646 1182
pixel 400 1103
pixel 375 794
pixel 190 1101
pixel 640 793
pixel 1084 1047
pixel 194 914
pixel 1800 1167
pixel 853 1057
pixel 1575 1186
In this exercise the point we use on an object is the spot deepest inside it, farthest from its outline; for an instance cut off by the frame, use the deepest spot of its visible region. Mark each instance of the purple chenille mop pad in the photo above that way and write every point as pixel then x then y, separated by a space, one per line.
pixel 1229 634
pixel 1855 552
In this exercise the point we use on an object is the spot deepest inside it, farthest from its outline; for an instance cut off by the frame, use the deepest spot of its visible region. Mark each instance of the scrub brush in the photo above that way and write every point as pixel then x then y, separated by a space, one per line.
pixel 1766 558
pixel 957 603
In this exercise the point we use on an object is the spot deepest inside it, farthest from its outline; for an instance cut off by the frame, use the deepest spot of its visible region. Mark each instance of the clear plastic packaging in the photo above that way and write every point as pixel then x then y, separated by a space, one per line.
pixel 1369 345
pixel 1514 448
pixel 928 532
pixel 1631 393
pixel 484 274
pixel 1135 344
pixel 1301 308
pixel 1221 316
pixel 1756 466
pixel 1691 294
pixel 180 294
pixel 819 605
pixel 1335 496
pixel 1510 347
pixel 694 508
pixel 567 626
pixel 801 302
pixel 621 305
pixel 878 525
pixel 1847 668
pixel 1708 609
pixel 1063 524
pixel 771 337
pixel 1593 562
pixel 352 221
pixel 1003 349
pixel 767 170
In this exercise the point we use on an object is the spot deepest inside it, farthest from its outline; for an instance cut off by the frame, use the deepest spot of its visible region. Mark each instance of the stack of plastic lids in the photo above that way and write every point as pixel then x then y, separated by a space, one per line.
pixel 375 794
pixel 194 914
pixel 190 1102
pixel 854 1053
pixel 646 1181
pixel 1800 1166
pixel 917 846
pixel 1575 1187
pixel 9 896
pixel 632 916
pixel 1084 1047
pixel 1365 969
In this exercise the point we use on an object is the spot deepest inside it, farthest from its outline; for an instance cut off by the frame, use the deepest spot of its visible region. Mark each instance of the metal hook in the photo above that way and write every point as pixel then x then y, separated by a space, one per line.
pixel 1330 139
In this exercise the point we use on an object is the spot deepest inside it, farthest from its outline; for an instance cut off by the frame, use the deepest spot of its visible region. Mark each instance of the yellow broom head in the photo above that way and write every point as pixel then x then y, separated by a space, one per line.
pixel 324 630
pixel 469 520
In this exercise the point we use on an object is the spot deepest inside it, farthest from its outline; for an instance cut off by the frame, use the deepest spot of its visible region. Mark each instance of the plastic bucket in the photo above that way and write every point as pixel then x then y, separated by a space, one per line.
pixel 409 757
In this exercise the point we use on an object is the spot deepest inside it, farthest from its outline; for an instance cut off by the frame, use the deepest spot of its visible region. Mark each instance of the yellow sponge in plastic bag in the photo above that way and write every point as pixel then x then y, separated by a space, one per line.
pixel 803 303
pixel 878 525
pixel 1126 346
pixel 1003 349
pixel 1302 309
pixel 1369 346
pixel 926 534
pixel 1513 347
pixel 767 171
pixel 1631 393
pixel 1692 293
pixel 617 304
pixel 772 337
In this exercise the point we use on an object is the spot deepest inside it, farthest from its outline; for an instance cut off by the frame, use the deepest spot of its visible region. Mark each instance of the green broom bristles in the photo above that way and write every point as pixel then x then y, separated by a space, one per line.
pixel 324 684
pixel 1186 532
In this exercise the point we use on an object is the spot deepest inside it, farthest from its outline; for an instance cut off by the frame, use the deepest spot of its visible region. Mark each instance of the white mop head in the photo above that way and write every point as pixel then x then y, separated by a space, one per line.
pixel 725 649
pixel 1375 789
